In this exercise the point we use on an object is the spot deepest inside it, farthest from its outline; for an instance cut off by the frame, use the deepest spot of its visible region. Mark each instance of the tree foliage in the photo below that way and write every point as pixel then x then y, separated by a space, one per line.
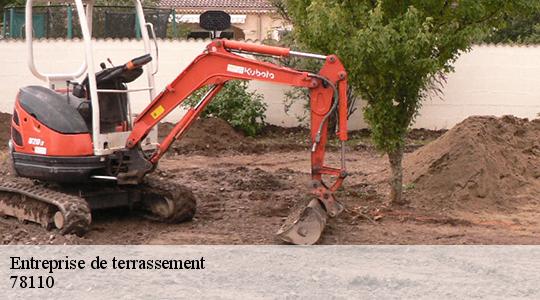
pixel 396 52
pixel 241 108
pixel 521 29
pixel 294 95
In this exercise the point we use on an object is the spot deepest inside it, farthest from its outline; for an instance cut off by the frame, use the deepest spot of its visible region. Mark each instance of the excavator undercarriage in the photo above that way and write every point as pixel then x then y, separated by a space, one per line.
pixel 68 207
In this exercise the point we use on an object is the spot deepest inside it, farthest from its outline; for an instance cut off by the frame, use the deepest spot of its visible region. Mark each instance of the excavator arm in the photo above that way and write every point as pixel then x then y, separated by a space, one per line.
pixel 218 64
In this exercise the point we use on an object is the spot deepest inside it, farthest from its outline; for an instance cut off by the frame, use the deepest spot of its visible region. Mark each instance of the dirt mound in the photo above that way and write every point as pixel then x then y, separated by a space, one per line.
pixel 483 163
pixel 255 179
pixel 5 127
pixel 208 135
pixel 423 134
pixel 213 136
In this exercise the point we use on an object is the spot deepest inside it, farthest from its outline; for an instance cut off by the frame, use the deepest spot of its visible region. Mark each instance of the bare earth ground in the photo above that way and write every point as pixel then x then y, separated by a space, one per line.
pixel 245 191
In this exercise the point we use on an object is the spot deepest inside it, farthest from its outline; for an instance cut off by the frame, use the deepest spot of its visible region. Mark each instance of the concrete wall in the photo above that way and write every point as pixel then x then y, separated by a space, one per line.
pixel 490 80
pixel 260 26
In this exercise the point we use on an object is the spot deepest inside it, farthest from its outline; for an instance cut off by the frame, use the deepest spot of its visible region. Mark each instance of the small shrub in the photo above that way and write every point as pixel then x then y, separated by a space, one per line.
pixel 242 109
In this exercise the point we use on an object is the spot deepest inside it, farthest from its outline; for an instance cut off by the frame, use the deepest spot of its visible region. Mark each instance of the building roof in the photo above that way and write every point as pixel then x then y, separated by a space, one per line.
pixel 230 6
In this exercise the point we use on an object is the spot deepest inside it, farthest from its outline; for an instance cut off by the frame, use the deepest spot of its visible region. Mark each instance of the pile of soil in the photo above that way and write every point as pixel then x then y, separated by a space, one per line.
pixel 208 135
pixel 5 127
pixel 423 134
pixel 483 163
pixel 213 136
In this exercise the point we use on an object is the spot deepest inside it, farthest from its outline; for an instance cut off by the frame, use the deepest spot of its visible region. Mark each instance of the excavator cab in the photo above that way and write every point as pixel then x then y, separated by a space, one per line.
pixel 82 116
pixel 70 137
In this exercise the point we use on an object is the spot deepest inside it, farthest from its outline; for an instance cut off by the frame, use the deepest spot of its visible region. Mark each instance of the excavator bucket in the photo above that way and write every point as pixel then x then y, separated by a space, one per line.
pixel 305 224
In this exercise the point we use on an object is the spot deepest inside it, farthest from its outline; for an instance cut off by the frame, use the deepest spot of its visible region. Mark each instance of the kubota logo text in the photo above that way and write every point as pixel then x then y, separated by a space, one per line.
pixel 250 71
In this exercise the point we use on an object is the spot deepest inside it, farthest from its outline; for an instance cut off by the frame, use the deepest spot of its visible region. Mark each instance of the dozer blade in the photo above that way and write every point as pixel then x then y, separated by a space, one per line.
pixel 305 224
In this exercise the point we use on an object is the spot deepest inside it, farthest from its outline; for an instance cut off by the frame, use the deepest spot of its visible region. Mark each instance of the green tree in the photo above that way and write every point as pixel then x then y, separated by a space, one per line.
pixel 396 53
pixel 521 29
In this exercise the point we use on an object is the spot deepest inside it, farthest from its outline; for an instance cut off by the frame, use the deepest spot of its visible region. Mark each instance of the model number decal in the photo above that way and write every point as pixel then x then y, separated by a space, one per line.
pixel 249 71
pixel 40 150
pixel 235 69
pixel 36 141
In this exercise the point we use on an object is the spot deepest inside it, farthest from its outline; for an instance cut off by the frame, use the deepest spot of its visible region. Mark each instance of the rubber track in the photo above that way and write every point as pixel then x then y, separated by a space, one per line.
pixel 77 215
pixel 184 202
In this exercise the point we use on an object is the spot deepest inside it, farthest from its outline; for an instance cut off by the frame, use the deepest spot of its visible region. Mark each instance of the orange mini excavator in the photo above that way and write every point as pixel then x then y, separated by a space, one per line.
pixel 77 149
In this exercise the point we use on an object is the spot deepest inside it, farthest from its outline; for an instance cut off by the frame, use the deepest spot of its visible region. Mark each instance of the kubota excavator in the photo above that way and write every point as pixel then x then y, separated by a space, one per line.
pixel 77 149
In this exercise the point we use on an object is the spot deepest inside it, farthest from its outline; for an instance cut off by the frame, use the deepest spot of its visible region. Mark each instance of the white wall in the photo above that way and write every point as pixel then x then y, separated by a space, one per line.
pixel 493 80
pixel 489 80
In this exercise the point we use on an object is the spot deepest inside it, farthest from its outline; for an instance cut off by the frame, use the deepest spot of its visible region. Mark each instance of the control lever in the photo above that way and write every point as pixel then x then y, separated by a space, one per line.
pixel 130 65
pixel 138 62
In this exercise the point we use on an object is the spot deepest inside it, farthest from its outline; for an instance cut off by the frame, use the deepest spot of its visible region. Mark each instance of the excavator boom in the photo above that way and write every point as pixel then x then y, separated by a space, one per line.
pixel 219 64
pixel 76 150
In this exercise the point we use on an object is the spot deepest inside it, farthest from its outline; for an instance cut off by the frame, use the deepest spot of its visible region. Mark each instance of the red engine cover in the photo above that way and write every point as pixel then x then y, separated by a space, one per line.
pixel 36 138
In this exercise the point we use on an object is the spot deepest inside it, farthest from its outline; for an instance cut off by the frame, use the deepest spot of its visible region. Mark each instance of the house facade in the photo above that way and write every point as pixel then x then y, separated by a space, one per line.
pixel 254 20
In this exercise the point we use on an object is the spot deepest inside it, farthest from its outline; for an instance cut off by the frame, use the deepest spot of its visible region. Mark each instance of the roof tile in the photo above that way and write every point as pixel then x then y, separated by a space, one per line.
pixel 202 5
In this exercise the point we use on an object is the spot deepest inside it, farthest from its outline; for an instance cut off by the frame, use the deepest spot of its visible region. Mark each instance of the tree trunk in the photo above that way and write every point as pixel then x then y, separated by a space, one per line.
pixel 396 182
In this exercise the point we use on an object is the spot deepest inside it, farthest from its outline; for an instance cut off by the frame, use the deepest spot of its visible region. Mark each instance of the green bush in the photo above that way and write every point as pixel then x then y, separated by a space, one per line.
pixel 242 109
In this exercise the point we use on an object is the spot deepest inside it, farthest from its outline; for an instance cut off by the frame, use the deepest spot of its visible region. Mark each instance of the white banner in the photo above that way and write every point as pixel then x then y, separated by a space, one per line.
pixel 269 272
